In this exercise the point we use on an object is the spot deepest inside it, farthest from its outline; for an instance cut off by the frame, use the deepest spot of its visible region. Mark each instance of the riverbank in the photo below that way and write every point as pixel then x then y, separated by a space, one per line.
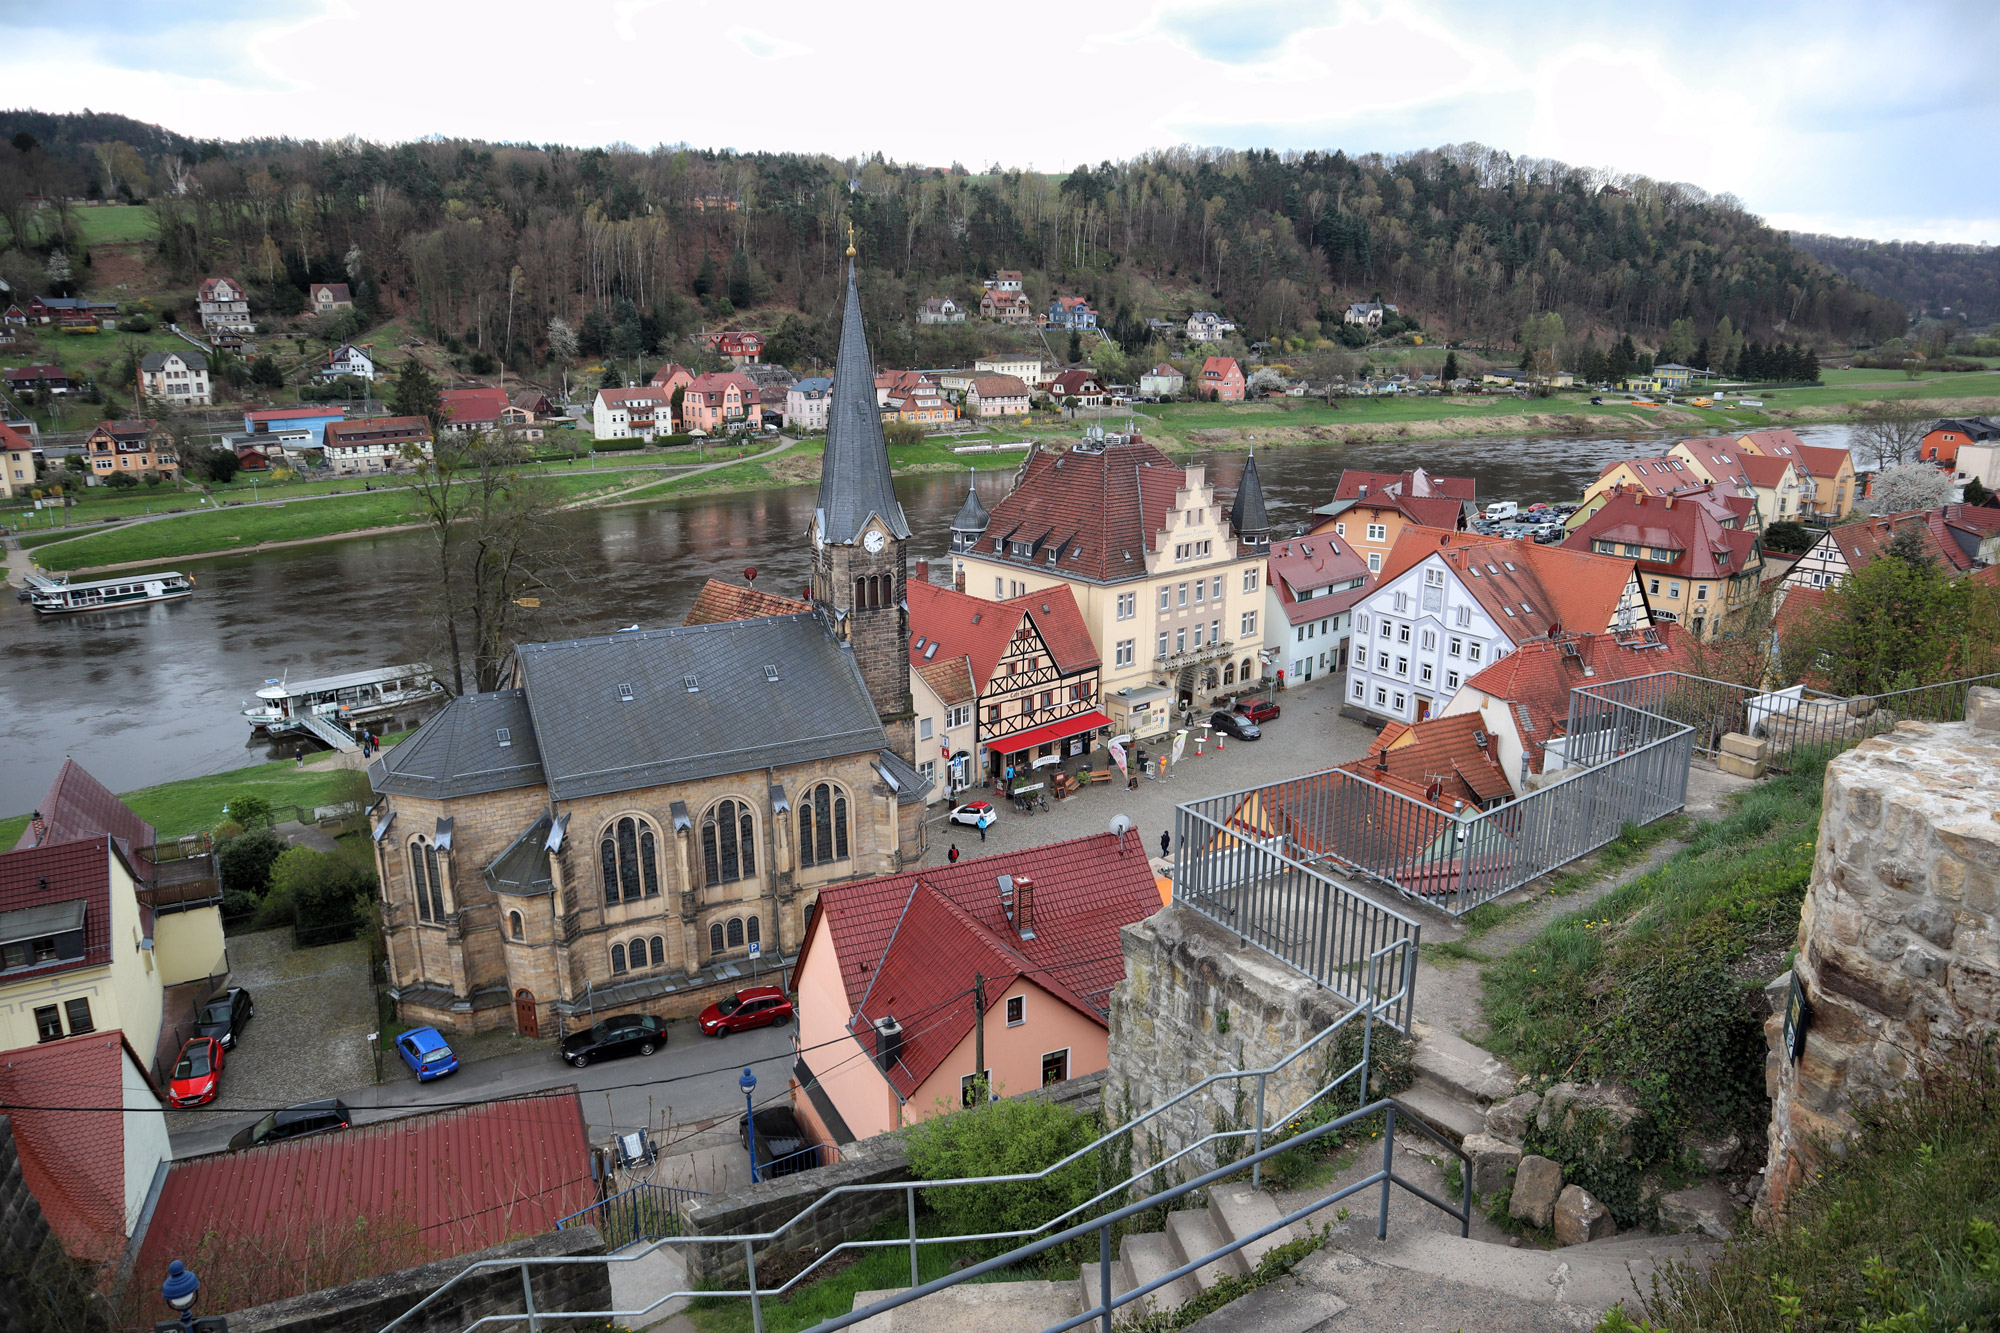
pixel 193 805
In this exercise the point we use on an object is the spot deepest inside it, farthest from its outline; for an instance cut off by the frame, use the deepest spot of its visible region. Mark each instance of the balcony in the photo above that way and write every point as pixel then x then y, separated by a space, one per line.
pixel 1202 656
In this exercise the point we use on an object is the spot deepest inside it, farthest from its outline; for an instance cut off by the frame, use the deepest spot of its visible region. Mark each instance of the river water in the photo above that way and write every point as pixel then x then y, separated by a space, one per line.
pixel 151 694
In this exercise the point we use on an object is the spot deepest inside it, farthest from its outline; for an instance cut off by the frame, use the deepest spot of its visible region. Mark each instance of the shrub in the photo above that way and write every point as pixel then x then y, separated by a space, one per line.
pixel 903 432
pixel 1004 1138
pixel 617 446
pixel 244 862
pixel 121 481
pixel 135 324
pixel 316 890
pixel 250 811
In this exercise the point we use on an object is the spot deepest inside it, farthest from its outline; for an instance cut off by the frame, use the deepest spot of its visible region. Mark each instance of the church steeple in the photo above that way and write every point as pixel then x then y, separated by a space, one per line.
pixel 1248 517
pixel 854 480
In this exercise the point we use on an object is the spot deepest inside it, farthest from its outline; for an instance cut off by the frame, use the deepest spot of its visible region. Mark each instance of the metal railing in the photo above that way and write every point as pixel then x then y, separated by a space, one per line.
pixel 1376 1006
pixel 642 1212
pixel 809 1158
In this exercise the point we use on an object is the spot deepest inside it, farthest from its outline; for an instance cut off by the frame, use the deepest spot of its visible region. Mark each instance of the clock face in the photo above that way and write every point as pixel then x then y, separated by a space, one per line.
pixel 873 541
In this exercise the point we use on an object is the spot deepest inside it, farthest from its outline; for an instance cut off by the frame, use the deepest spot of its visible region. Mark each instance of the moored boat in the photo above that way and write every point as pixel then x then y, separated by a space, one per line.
pixel 51 598
pixel 345 700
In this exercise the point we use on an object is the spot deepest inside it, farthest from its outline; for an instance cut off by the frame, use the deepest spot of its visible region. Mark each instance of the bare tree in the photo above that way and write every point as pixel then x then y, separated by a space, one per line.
pixel 1909 486
pixel 1892 429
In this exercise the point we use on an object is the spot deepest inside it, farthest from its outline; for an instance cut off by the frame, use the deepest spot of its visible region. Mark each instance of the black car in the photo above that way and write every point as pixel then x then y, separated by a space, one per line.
pixel 225 1016
pixel 294 1122
pixel 622 1034
pixel 782 1146
pixel 1235 724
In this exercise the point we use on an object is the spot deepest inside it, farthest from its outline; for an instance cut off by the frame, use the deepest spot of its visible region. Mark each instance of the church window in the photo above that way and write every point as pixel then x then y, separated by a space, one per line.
pixel 728 844
pixel 715 938
pixel 735 932
pixel 755 936
pixel 617 959
pixel 514 925
pixel 822 825
pixel 659 951
pixel 427 886
pixel 628 861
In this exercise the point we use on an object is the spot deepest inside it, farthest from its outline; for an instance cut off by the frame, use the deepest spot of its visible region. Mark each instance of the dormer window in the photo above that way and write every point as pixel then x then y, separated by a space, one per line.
pixel 625 692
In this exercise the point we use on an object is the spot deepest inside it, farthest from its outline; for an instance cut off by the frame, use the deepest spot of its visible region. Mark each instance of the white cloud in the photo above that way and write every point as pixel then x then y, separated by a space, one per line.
pixel 763 45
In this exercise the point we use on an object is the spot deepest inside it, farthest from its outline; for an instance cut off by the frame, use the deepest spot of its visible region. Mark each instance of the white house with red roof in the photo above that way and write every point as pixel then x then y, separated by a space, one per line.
pixel 644 413
pixel 224 306
pixel 887 978
pixel 1311 586
pixel 76 945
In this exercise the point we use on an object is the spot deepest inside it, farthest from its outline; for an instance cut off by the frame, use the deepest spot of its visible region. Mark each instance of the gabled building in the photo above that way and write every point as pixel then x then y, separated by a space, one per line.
pixel 1071 312
pixel 1367 314
pixel 1162 381
pixel 475 409
pixel 1829 471
pixel 1205 326
pixel 1695 571
pixel 719 602
pixel 886 982
pixel 48 379
pixel 671 376
pixel 714 402
pixel 644 413
pixel 806 403
pixel 997 396
pixel 1027 367
pixel 1770 480
pixel 1654 474
pixel 1311 587
pixel 1449 763
pixel 348 359
pixel 17 463
pixel 1448 603
pixel 1006 306
pixel 1082 385
pixel 533 404
pixel 947 706
pixel 1221 380
pixel 224 306
pixel 323 298
pixel 133 447
pixel 73 314
pixel 177 378
pixel 940 310
pixel 741 347
pixel 375 444
pixel 76 952
pixel 1372 509
pixel 1004 280
pixel 1957 538
pixel 1941 442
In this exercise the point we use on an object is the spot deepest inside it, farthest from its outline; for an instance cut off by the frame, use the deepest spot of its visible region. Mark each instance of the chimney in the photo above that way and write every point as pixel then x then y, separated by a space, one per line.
pixel 923 571
pixel 1670 500
pixel 40 826
pixel 888 1042
pixel 1024 907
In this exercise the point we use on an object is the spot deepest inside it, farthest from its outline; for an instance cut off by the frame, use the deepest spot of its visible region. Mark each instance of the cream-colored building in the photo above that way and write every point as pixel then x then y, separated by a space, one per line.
pixel 1029 369
pixel 1169 577
pixel 75 955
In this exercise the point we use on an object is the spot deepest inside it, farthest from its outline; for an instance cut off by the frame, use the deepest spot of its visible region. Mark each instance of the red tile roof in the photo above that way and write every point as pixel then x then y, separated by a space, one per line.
pixel 1439 761
pixel 1765 470
pixel 1073 382
pixel 63 872
pixel 906 942
pixel 74 1160
pixel 1535 681
pixel 1355 483
pixel 13 439
pixel 1059 622
pixel 999 386
pixel 979 631
pixel 1220 367
pixel 1526 588
pixel 1306 563
pixel 950 678
pixel 1661 474
pixel 1100 509
pixel 294 413
pixel 1822 461
pixel 1779 442
pixel 439 1184
pixel 1862 541
pixel 77 805
pixel 718 601
pixel 478 406
pixel 666 375
pixel 1671 524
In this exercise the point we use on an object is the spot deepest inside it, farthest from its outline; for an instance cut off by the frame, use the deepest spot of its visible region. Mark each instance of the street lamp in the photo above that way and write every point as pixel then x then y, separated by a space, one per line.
pixel 749 1085
pixel 180 1291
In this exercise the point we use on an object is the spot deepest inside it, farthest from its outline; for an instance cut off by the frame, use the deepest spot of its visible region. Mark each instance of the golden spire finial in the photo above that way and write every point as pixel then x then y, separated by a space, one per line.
pixel 850 239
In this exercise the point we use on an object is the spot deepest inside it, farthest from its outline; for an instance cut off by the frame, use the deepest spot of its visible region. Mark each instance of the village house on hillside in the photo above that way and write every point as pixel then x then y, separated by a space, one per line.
pixel 323 298
pixel 1205 326
pixel 940 310
pixel 224 306
pixel 1162 381
pixel 1367 314
pixel 132 447
pixel 1009 307
pixel 1221 380
pixel 739 346
pixel 177 378
pixel 1071 312
pixel 348 359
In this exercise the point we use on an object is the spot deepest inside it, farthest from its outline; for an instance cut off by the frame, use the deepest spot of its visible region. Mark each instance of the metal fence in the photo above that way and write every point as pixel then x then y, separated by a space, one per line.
pixel 642 1212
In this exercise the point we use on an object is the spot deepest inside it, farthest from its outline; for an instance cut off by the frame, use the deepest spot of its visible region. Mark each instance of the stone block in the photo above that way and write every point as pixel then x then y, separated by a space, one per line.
pixel 1555 1105
pixel 1746 747
pixel 1932 921
pixel 1982 709
pixel 1580 1218
pixel 1509 1120
pixel 1538 1182
pixel 1704 1210
pixel 1737 766
pixel 1717 1152
pixel 1493 1162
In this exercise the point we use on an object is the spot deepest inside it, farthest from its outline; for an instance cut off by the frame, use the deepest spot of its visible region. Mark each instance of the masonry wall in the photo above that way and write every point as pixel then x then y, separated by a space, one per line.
pixel 1899 941
pixel 1195 1002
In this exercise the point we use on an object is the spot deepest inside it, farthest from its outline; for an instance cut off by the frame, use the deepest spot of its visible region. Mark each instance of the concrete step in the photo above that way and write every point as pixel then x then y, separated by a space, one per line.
pixel 991 1307
pixel 1146 1258
pixel 1594 1276
pixel 1240 1210
pixel 1447 1113
pixel 1193 1233
pixel 1453 1065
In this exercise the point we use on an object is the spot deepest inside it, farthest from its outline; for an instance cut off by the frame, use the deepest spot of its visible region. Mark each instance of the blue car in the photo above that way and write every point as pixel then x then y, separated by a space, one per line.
pixel 426 1053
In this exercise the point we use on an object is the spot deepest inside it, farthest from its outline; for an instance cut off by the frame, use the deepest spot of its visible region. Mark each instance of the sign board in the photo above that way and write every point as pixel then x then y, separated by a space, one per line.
pixel 756 949
pixel 1798 1017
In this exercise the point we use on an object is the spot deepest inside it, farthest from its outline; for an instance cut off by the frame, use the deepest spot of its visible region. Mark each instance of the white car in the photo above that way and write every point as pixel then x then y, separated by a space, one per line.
pixel 979 814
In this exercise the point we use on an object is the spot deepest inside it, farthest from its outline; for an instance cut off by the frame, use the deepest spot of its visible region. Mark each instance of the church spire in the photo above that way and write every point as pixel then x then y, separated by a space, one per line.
pixel 1248 516
pixel 854 480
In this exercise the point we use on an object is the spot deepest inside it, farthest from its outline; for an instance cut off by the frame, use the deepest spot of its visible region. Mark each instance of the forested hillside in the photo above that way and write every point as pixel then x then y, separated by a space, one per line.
pixel 490 242
pixel 1925 277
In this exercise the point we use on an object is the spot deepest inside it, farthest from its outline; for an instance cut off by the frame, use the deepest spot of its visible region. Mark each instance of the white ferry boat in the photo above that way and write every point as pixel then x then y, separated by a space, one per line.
pixel 53 598
pixel 327 706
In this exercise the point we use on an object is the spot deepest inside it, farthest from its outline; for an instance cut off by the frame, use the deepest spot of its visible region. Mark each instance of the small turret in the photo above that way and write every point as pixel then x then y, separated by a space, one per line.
pixel 971 522
pixel 1248 517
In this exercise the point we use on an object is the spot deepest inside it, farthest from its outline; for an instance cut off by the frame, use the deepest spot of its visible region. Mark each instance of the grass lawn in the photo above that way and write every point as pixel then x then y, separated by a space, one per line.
pixel 195 804
pixel 106 224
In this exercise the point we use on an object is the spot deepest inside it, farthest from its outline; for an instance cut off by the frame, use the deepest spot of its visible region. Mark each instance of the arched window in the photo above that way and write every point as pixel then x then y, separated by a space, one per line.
pixel 637 956
pixel 735 932
pixel 822 824
pixel 628 861
pixel 437 882
pixel 1243 672
pixel 728 842
pixel 617 958
pixel 659 951
pixel 715 938
pixel 751 932
pixel 427 888
pixel 418 890
pixel 514 926
pixel 1229 674
pixel 860 593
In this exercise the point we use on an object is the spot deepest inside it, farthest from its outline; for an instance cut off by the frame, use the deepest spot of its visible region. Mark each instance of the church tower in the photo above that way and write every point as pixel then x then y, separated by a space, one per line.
pixel 860 535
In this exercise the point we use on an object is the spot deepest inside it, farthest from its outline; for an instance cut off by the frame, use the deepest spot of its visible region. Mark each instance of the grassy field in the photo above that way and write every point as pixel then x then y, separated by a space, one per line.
pixel 104 224
pixel 195 804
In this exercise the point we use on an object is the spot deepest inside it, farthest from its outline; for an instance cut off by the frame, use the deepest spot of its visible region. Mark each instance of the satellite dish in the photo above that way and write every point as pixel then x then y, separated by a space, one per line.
pixel 1119 824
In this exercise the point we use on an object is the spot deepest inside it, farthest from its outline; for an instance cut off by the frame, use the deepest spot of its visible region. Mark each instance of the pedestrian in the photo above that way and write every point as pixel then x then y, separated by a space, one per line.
pixel 952 855
pixel 299 755
pixel 1166 841
pixel 982 830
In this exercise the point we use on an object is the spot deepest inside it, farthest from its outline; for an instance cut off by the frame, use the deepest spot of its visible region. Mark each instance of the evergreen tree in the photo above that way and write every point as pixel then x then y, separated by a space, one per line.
pixel 1075 347
pixel 1450 371
pixel 612 379
pixel 704 278
pixel 1700 361
pixel 1976 492
pixel 741 293
pixel 594 337
pixel 417 394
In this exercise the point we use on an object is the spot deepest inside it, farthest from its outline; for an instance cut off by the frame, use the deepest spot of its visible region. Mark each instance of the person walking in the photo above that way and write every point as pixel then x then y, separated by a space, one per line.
pixel 1166 841
pixel 981 826
pixel 952 855
pixel 299 755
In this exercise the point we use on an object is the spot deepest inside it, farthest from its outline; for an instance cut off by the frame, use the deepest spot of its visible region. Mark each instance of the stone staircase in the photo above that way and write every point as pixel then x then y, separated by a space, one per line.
pixel 1456 1083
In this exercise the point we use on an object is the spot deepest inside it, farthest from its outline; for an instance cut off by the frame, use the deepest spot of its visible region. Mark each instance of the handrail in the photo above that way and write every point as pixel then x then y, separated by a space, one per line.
pixel 1366 1012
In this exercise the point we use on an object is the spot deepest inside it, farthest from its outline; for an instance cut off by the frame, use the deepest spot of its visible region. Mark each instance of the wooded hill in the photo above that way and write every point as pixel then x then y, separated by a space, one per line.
pixel 1926 277
pixel 489 242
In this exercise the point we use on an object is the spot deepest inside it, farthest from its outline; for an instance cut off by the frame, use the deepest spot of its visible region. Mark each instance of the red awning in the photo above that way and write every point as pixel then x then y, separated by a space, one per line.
pixel 1055 731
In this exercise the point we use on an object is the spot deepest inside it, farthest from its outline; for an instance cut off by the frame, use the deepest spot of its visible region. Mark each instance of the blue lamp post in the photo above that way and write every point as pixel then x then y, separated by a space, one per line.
pixel 181 1289
pixel 749 1085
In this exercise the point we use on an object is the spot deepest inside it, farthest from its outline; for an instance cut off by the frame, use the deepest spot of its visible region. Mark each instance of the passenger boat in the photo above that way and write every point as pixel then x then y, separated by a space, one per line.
pixel 52 598
pixel 351 698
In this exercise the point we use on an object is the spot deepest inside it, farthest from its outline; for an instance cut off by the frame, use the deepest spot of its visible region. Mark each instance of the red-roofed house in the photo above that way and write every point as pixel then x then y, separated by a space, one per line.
pixel 885 980
pixel 1371 509
pixel 716 401
pixel 17 463
pixel 1655 474
pixel 1695 571
pixel 1958 538
pixel 91 1165
pixel 644 413
pixel 1774 482
pixel 1082 385
pixel 1007 306
pixel 224 306
pixel 474 409
pixel 1522 701
pixel 1221 380
pixel 76 950
pixel 323 298
pixel 739 346
pixel 672 376
pixel 1311 586
pixel 137 445
pixel 1446 604
pixel 1033 666
pixel 1446 762
pixel 718 601
pixel 1830 470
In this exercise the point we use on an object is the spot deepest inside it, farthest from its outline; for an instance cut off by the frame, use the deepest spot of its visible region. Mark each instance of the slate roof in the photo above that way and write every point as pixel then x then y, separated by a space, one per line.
pixel 523 867
pixel 593 741
pixel 972 515
pixel 1306 563
pixel 458 752
pixel 1526 588
pixel 1668 523
pixel 77 805
pixel 1976 429
pixel 73 1161
pixel 1247 513
pixel 158 360
pixel 1535 680
pixel 811 386
pixel 718 601
pixel 1103 507
pixel 78 871
pixel 854 483
pixel 905 941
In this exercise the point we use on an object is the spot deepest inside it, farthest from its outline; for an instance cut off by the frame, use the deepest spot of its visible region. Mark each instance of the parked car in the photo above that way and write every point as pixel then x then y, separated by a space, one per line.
pixel 197 1074
pixel 225 1016
pixel 781 1144
pixel 757 1007
pixel 295 1122
pixel 1257 710
pixel 427 1054
pixel 1242 728
pixel 1502 510
pixel 623 1034
pixel 979 814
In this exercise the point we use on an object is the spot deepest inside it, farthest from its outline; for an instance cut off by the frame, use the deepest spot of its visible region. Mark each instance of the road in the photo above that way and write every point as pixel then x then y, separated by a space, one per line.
pixel 693 1080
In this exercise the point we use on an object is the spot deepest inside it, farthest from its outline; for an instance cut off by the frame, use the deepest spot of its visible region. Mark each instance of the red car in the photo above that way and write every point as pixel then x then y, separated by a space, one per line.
pixel 760 1006
pixel 197 1073
pixel 1259 711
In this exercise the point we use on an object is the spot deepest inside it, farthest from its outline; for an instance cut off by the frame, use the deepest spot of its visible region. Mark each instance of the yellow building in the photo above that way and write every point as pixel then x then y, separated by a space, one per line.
pixel 1830 471
pixel 1656 474
pixel 17 464
pixel 75 955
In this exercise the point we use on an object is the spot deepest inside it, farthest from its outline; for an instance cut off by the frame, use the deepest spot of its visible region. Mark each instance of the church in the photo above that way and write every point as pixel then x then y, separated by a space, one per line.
pixel 645 818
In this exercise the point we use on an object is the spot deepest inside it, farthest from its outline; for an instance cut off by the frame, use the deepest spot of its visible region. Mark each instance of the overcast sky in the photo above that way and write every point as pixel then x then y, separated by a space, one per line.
pixel 1862 120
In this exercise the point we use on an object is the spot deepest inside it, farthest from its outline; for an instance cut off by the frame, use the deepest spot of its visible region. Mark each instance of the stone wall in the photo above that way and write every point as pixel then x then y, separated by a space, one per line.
pixel 1195 1002
pixel 1899 942
pixel 365 1306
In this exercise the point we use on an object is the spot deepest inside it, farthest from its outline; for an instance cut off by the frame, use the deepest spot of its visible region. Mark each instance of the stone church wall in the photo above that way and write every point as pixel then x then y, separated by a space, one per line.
pixel 1899 942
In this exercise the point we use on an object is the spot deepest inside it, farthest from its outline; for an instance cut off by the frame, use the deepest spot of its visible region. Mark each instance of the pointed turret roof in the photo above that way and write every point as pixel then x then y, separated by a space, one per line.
pixel 1248 516
pixel 854 481
pixel 972 515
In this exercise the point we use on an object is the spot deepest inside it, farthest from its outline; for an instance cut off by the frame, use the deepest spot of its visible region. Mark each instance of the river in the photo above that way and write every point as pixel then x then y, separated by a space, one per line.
pixel 151 694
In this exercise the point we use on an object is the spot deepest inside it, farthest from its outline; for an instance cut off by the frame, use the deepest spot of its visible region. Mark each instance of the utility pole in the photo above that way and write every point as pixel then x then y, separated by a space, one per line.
pixel 979 1037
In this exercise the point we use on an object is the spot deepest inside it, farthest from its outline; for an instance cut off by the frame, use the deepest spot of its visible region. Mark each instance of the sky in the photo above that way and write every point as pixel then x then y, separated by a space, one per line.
pixel 1875 120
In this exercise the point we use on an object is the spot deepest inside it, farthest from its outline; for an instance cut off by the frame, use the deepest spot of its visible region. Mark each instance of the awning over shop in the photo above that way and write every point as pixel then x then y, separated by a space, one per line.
pixel 1055 731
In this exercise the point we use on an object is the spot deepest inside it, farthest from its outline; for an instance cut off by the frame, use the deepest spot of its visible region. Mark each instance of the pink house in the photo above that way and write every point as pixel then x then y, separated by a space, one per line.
pixel 1222 380
pixel 886 977
pixel 716 401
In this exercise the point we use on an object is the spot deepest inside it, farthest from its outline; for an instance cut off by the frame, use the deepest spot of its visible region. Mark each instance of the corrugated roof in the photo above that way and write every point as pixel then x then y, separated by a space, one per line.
pixel 77 805
pixel 431 1186
pixel 461 752
pixel 73 1160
